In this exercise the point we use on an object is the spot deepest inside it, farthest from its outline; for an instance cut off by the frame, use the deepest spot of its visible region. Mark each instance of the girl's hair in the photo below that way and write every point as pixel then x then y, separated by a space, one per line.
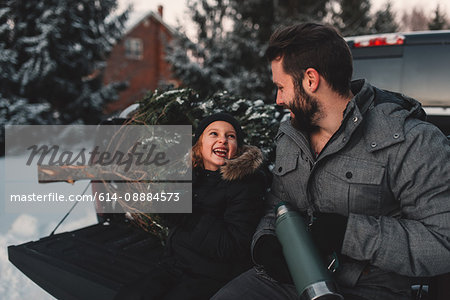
pixel 197 158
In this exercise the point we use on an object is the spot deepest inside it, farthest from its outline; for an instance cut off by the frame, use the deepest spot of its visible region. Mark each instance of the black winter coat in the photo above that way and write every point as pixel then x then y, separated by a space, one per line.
pixel 214 241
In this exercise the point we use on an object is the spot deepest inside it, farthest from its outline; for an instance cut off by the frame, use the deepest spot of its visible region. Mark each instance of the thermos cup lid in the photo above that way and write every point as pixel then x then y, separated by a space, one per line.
pixel 281 208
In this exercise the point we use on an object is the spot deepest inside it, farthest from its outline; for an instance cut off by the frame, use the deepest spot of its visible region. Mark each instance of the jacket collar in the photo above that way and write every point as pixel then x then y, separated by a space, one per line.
pixel 362 100
pixel 352 117
pixel 383 112
pixel 245 164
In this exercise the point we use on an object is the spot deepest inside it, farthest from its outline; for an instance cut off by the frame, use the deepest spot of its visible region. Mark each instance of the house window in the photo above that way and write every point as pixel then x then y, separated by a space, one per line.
pixel 133 48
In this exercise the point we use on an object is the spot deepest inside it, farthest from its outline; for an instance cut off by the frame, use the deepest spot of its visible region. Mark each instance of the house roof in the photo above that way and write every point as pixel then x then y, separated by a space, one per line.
pixel 138 19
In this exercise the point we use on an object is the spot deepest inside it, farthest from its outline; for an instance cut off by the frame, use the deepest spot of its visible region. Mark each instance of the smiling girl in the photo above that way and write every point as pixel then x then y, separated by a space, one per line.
pixel 210 246
pixel 218 143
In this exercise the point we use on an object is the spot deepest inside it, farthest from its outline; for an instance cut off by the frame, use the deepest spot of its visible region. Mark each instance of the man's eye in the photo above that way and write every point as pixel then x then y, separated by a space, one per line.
pixel 232 136
pixel 213 133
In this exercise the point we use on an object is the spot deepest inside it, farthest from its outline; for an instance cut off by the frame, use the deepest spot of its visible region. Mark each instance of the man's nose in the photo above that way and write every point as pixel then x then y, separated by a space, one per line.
pixel 279 100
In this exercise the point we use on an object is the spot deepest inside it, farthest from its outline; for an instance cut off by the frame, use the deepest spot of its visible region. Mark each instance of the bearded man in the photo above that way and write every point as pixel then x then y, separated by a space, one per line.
pixel 362 165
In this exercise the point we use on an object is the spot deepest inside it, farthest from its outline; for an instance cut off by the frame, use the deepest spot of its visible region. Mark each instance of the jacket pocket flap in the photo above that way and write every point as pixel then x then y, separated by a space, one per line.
pixel 357 171
pixel 285 164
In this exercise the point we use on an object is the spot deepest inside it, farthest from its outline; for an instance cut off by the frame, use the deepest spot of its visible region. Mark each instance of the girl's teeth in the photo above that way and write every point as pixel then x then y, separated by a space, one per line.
pixel 221 153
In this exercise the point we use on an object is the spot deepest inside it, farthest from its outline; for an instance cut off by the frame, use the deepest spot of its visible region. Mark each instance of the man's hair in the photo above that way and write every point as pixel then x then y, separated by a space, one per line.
pixel 317 46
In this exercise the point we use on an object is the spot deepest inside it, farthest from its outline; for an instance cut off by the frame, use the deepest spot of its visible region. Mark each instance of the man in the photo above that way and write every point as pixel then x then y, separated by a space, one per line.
pixel 362 165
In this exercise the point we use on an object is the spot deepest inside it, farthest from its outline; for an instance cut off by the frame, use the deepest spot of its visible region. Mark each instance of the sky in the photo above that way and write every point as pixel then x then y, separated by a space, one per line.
pixel 175 9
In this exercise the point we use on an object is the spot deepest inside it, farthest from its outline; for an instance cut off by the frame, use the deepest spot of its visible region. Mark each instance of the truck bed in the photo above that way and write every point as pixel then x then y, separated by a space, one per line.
pixel 95 262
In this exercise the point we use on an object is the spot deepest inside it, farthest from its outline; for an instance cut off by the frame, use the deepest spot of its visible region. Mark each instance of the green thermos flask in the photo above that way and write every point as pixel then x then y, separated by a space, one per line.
pixel 311 277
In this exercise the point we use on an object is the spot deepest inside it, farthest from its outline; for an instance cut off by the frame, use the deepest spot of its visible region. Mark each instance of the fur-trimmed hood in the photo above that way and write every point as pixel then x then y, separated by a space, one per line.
pixel 245 164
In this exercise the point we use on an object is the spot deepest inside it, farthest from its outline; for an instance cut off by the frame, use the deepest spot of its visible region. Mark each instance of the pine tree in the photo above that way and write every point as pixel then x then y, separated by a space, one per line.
pixel 415 20
pixel 187 107
pixel 385 20
pixel 290 11
pixel 14 109
pixel 439 20
pixel 228 51
pixel 253 24
pixel 201 64
pixel 7 55
pixel 56 51
pixel 353 17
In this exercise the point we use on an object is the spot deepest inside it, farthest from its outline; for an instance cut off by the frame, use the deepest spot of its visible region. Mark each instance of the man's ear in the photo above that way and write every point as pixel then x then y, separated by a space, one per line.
pixel 311 80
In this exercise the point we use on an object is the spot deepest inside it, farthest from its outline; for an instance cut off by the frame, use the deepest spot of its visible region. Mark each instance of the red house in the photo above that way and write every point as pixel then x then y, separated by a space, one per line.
pixel 139 59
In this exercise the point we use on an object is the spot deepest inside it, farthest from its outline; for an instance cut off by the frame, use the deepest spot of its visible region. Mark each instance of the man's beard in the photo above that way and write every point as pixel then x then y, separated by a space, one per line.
pixel 306 111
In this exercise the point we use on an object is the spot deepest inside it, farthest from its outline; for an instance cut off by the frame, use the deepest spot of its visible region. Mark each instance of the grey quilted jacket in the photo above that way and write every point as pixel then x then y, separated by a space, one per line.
pixel 389 172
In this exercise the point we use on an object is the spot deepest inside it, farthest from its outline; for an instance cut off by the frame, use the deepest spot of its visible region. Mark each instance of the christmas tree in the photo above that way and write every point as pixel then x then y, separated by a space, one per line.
pixel 187 107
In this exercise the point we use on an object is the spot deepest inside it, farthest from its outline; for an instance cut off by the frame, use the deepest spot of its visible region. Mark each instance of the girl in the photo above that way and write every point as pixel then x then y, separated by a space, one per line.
pixel 211 246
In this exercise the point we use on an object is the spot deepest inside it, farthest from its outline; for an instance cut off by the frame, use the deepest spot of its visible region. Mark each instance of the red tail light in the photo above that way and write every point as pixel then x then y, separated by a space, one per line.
pixel 386 40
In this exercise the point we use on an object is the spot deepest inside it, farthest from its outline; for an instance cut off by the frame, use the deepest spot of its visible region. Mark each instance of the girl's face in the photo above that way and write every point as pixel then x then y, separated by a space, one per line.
pixel 218 143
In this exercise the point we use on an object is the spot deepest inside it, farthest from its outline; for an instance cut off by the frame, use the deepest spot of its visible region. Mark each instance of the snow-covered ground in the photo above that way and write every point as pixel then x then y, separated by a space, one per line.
pixel 18 228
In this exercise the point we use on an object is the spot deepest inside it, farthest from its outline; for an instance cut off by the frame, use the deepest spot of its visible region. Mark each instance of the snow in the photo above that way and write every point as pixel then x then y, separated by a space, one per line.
pixel 16 229
pixel 258 103
pixel 24 226
pixel 15 285
pixel 206 105
pixel 168 93
pixel 235 106
pixel 286 116
pixel 77 47
pixel 3 11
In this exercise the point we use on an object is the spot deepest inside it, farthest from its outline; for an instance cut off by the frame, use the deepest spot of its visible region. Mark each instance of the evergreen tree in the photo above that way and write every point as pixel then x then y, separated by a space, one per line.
pixel 353 17
pixel 228 51
pixel 13 108
pixel 385 20
pixel 201 64
pixel 415 20
pixel 187 107
pixel 7 55
pixel 253 24
pixel 439 20
pixel 56 51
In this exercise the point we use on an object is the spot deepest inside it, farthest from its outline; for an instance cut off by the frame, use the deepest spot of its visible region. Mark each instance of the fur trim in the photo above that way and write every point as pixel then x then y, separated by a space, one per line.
pixel 245 164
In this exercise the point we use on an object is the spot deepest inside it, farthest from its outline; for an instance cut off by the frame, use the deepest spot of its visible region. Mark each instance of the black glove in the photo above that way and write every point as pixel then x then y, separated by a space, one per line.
pixel 268 253
pixel 328 231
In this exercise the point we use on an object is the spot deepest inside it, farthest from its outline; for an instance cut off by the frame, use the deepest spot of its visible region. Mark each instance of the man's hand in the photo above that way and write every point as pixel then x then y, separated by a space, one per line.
pixel 268 253
pixel 328 231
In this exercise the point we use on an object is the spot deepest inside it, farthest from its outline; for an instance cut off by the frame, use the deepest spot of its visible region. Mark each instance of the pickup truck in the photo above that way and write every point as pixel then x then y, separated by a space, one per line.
pixel 416 64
